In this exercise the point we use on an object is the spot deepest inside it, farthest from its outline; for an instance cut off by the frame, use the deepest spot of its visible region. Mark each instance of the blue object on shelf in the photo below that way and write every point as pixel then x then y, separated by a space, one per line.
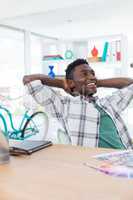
pixel 104 56
pixel 51 74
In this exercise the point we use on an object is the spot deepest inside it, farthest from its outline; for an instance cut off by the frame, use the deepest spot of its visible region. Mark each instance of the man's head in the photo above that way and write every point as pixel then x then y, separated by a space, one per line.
pixel 81 78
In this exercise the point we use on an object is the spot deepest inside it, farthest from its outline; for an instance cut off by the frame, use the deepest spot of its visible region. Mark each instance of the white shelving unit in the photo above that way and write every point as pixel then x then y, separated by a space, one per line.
pixel 111 65
pixel 82 49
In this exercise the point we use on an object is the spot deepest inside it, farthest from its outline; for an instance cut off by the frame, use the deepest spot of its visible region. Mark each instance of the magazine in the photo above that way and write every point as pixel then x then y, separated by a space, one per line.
pixel 119 163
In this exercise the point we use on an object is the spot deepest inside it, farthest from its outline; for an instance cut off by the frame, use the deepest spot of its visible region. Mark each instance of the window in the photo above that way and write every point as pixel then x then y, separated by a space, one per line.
pixel 36 54
pixel 11 60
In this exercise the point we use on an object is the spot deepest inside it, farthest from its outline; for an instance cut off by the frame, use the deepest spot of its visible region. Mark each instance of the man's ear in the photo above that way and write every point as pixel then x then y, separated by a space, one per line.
pixel 71 84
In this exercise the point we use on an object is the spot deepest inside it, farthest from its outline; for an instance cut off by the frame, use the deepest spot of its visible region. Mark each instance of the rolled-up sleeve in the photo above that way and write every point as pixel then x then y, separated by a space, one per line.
pixel 46 96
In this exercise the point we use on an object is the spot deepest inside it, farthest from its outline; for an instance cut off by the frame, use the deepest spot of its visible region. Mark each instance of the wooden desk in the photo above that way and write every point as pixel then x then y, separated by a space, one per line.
pixel 58 173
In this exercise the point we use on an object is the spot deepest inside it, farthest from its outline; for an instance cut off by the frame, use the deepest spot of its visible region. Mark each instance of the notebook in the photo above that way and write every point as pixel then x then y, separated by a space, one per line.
pixel 28 146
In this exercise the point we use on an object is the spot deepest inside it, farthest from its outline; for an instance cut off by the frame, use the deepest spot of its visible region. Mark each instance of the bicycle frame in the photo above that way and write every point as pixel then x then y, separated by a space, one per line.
pixel 16 133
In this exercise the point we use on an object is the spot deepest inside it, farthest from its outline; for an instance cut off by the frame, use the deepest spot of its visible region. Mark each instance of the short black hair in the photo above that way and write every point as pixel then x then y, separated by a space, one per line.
pixel 73 65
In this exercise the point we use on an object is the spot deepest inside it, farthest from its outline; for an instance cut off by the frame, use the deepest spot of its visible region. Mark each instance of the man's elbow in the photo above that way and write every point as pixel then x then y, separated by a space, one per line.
pixel 25 80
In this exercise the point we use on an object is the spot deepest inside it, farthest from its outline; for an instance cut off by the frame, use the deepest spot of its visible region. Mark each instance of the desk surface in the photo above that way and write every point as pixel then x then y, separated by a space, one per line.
pixel 58 173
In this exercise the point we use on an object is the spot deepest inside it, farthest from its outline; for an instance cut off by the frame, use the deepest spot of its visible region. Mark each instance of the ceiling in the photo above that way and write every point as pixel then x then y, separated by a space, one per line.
pixel 69 19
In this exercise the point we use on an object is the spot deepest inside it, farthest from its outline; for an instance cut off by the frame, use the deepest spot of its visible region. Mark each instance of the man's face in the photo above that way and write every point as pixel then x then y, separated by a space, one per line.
pixel 84 80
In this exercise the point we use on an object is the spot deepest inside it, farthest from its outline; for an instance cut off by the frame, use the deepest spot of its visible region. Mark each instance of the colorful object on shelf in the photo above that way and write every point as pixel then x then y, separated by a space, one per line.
pixel 69 54
pixel 52 57
pixel 118 51
pixel 51 74
pixel 111 52
pixel 94 52
pixel 105 49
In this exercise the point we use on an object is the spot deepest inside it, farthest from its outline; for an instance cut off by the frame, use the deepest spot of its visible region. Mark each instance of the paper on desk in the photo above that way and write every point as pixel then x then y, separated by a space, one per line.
pixel 119 163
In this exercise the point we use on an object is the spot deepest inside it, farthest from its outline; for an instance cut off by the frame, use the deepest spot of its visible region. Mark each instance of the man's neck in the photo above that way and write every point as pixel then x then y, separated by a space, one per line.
pixel 89 98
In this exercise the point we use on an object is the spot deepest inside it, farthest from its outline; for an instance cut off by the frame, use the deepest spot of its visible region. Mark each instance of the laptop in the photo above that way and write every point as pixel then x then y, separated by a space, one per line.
pixel 28 146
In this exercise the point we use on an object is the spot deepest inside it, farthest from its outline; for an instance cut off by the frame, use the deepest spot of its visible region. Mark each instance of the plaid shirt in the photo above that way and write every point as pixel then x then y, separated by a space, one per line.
pixel 79 117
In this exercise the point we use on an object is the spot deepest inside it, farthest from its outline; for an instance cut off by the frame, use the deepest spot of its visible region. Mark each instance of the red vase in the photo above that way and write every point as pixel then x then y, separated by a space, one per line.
pixel 94 52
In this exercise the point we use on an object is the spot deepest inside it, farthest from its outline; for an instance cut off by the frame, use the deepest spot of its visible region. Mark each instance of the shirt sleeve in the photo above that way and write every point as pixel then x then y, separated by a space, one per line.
pixel 120 99
pixel 46 97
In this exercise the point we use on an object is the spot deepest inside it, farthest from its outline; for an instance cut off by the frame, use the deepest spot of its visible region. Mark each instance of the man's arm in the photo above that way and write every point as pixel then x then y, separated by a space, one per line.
pixel 60 83
pixel 114 82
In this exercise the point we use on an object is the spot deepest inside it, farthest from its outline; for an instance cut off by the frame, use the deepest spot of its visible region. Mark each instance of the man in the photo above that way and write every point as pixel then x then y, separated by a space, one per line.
pixel 87 120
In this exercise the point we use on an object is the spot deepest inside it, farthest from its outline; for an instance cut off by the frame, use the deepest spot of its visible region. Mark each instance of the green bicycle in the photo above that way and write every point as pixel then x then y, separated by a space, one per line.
pixel 30 124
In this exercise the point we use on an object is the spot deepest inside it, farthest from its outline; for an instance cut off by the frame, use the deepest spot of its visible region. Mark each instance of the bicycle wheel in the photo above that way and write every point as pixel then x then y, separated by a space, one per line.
pixel 36 126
